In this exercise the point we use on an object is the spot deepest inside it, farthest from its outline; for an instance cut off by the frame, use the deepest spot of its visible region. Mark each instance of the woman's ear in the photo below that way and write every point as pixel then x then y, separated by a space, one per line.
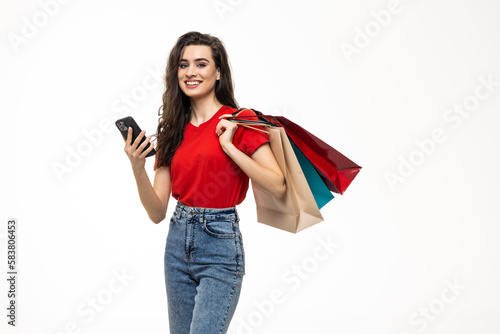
pixel 218 74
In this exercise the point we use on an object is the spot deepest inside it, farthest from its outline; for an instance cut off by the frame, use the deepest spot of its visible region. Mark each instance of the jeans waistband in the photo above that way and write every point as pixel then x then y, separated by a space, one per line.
pixel 184 210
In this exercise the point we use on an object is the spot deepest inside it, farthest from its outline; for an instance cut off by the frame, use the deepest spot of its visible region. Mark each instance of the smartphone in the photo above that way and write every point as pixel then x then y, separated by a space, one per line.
pixel 124 123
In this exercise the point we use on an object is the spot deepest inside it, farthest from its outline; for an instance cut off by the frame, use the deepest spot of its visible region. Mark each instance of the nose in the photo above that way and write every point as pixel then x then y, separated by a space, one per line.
pixel 191 71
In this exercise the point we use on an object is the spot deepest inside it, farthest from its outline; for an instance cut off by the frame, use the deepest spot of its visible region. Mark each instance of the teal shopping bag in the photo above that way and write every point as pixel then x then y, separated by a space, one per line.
pixel 321 193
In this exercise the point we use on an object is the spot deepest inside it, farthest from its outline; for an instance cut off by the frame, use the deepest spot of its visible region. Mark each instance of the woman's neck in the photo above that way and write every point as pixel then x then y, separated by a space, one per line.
pixel 203 109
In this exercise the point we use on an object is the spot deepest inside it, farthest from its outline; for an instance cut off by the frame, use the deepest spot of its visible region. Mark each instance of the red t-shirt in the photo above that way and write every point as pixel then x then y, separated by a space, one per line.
pixel 202 174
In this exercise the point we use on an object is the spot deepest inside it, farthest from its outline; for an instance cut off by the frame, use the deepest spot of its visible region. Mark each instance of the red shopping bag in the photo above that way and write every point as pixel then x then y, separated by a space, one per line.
pixel 336 170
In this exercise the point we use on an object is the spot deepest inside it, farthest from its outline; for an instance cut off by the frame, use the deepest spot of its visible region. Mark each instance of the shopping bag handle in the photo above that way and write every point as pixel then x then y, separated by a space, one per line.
pixel 249 123
pixel 268 120
pixel 251 127
pixel 257 113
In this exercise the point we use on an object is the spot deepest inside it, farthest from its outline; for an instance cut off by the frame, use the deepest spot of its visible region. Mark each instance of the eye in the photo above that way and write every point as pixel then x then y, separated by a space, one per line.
pixel 182 65
pixel 202 65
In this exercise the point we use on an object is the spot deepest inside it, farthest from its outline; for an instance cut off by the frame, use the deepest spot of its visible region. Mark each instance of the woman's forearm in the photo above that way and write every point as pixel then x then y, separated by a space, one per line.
pixel 155 208
pixel 136 152
pixel 265 178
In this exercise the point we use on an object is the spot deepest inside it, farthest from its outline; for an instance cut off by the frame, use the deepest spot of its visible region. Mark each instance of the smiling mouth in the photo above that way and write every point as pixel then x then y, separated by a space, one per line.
pixel 193 83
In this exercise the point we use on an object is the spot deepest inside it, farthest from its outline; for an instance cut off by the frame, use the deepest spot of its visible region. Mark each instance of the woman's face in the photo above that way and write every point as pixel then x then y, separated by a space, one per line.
pixel 197 72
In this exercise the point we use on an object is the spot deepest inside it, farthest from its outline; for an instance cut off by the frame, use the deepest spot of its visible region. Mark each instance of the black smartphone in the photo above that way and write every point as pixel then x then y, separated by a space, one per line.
pixel 124 123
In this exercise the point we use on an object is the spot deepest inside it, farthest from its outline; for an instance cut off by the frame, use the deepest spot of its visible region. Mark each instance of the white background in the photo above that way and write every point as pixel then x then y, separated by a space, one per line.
pixel 398 248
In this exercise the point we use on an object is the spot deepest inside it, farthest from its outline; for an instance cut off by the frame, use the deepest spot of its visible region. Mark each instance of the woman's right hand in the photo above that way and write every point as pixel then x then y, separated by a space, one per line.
pixel 133 150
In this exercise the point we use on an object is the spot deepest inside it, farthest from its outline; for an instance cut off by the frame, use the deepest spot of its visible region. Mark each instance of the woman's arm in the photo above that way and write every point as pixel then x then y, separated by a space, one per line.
pixel 261 168
pixel 153 198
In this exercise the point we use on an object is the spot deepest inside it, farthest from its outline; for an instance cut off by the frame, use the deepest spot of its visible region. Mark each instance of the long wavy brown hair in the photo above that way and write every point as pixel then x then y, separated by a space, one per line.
pixel 175 112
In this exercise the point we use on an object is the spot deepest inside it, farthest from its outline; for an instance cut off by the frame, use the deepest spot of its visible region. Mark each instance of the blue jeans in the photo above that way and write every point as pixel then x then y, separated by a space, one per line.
pixel 204 268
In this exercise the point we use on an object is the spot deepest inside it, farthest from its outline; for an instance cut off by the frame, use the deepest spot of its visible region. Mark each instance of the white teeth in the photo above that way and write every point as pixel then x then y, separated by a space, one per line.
pixel 192 83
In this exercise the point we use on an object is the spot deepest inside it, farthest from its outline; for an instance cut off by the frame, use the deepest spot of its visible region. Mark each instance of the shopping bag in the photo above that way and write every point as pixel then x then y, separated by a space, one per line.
pixel 297 209
pixel 320 191
pixel 336 170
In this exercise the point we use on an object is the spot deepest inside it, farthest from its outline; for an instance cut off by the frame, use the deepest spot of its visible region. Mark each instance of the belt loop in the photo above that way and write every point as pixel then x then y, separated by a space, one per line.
pixel 178 210
pixel 202 215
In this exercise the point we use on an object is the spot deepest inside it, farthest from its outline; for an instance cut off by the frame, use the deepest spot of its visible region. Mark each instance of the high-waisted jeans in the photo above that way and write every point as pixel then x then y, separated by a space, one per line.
pixel 204 268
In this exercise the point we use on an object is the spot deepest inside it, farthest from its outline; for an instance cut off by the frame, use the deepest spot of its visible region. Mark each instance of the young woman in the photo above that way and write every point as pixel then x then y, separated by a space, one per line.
pixel 204 162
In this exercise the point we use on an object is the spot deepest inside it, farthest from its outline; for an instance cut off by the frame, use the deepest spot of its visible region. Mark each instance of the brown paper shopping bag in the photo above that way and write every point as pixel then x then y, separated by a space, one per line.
pixel 297 209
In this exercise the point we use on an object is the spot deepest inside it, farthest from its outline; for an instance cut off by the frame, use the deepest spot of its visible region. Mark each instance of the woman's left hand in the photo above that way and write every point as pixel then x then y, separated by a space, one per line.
pixel 225 130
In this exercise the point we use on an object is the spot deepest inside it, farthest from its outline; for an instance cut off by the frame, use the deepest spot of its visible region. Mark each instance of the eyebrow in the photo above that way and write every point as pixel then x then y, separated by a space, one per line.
pixel 197 59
